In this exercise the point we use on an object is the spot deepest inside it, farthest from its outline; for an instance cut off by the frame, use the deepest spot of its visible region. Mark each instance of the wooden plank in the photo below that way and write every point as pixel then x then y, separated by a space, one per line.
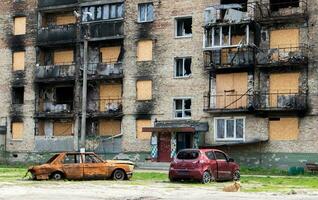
pixel 62 128
pixel 140 124
pixel 144 90
pixel 19 26
pixel 110 54
pixel 284 38
pixel 65 19
pixel 18 60
pixel 65 57
pixel 17 130
pixel 144 50
pixel 109 127
pixel 284 129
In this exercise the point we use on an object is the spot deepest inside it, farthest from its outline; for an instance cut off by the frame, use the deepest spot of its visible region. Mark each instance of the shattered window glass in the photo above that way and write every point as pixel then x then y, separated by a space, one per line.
pixel 184 27
pixel 179 67
pixel 182 108
pixel 208 38
pixel 187 66
pixel 106 12
pixel 220 128
pixel 217 36
pixel 183 67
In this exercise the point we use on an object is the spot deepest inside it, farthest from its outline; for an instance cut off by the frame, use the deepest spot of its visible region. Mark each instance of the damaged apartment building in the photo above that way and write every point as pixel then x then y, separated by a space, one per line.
pixel 162 76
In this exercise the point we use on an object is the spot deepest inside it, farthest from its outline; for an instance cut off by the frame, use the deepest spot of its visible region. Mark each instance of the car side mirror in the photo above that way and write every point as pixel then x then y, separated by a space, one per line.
pixel 231 160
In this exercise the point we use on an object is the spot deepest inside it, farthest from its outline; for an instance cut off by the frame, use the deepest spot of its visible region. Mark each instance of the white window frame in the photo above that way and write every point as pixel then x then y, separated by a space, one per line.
pixel 183 110
pixel 146 19
pixel 225 134
pixel 176 27
pixel 183 67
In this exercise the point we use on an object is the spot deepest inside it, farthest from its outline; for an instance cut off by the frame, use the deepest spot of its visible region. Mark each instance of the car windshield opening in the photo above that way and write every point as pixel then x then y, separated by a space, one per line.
pixel 188 155
pixel 53 158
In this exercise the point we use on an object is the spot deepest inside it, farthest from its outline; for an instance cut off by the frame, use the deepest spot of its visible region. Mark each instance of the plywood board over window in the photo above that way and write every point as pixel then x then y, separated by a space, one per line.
pixel 110 54
pixel 65 19
pixel 109 94
pixel 17 130
pixel 63 57
pixel 109 127
pixel 230 90
pixel 144 50
pixel 62 128
pixel 284 128
pixel 284 38
pixel 144 90
pixel 141 123
pixel 18 60
pixel 19 26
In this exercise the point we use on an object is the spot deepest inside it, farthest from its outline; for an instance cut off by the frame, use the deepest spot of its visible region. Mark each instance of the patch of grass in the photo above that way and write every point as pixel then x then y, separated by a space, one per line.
pixel 150 176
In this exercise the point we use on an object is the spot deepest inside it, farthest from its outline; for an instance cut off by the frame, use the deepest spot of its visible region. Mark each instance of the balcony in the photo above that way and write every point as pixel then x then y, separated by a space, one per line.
pixel 105 107
pixel 282 102
pixel 104 70
pixel 286 56
pixel 229 57
pixel 55 72
pixel 49 3
pixel 281 11
pixel 56 34
pixel 104 30
pixel 47 109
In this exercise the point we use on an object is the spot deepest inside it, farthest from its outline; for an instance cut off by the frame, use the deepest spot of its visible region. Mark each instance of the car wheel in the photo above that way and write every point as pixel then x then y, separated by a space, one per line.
pixel 119 175
pixel 57 176
pixel 236 175
pixel 206 177
pixel 171 179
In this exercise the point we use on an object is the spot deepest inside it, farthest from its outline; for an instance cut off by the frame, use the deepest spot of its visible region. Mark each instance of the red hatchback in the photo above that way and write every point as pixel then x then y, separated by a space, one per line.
pixel 203 164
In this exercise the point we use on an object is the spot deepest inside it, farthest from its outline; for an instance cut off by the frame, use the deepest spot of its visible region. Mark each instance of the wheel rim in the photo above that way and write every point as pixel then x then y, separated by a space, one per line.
pixel 236 175
pixel 206 177
pixel 57 176
pixel 119 175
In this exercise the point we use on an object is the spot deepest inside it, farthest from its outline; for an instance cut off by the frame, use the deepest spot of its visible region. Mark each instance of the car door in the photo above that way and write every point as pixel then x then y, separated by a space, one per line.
pixel 94 168
pixel 73 166
pixel 212 163
pixel 224 171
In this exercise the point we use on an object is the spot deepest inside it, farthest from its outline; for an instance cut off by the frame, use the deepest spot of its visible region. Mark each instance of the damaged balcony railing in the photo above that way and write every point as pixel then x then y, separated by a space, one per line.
pixel 48 3
pixel 60 70
pixel 110 67
pixel 54 107
pixel 105 105
pixel 281 101
pixel 56 34
pixel 283 55
pixel 229 57
pixel 229 101
pixel 105 29
pixel 276 9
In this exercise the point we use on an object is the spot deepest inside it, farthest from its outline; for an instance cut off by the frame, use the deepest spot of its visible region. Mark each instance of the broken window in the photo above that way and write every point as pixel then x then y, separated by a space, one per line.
pixel 144 50
pixel 63 128
pixel 184 27
pixel 72 158
pixel 141 123
pixel 19 26
pixel 182 108
pixel 286 128
pixel 17 130
pixel 275 5
pixel 243 3
pixel 183 67
pixel 91 159
pixel 18 60
pixel 229 128
pixel 110 97
pixel 65 19
pixel 63 57
pixel 100 12
pixel 64 95
pixel 18 95
pixel 144 90
pixel 145 12
pixel 110 55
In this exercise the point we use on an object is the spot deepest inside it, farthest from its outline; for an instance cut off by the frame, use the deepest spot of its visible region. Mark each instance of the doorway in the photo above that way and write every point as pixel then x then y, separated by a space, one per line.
pixel 164 147
pixel 184 140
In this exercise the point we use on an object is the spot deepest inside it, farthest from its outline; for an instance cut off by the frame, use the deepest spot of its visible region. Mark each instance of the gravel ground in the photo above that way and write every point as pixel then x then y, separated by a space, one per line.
pixel 76 190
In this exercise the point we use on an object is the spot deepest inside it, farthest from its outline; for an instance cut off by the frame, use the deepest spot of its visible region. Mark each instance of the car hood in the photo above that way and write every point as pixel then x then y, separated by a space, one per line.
pixel 120 162
pixel 39 167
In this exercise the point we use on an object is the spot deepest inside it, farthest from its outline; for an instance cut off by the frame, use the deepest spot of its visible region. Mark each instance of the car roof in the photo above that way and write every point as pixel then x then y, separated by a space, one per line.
pixel 201 150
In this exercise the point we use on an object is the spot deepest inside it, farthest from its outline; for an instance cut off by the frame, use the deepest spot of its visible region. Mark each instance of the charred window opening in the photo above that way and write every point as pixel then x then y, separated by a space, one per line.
pixel 243 3
pixel 58 19
pixel 182 108
pixel 102 12
pixel 184 27
pixel 183 67
pixel 64 95
pixel 18 95
pixel 275 5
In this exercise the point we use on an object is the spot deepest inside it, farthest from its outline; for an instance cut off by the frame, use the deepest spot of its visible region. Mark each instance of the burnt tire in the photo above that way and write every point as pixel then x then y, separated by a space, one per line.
pixel 57 176
pixel 119 175
pixel 236 175
pixel 206 177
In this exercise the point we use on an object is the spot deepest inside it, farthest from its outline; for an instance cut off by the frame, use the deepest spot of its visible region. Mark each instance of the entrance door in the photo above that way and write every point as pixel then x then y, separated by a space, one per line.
pixel 184 141
pixel 164 147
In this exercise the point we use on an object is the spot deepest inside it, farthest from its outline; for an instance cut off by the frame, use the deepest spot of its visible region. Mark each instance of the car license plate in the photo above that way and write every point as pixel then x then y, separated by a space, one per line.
pixel 183 172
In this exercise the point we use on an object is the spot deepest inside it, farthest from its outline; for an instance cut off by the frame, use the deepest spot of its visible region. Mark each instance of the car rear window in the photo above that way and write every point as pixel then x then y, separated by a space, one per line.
pixel 188 155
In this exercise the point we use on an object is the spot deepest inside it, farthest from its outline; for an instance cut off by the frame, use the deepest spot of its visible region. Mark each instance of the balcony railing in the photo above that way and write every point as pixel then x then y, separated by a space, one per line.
pixel 51 107
pixel 105 68
pixel 56 34
pixel 288 9
pixel 229 57
pixel 63 70
pixel 104 29
pixel 49 3
pixel 105 106
pixel 283 56
pixel 288 101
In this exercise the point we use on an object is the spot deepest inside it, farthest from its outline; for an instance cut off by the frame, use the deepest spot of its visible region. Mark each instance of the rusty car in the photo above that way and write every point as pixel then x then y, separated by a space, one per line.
pixel 81 166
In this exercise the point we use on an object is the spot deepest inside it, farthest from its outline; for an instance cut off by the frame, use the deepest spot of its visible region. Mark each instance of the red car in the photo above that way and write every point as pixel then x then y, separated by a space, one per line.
pixel 204 165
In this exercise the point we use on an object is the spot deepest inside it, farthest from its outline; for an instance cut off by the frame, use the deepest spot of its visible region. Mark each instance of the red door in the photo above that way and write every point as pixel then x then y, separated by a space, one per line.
pixel 164 147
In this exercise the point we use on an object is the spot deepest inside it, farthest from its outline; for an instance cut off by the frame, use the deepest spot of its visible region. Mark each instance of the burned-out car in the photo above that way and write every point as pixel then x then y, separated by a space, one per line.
pixel 80 166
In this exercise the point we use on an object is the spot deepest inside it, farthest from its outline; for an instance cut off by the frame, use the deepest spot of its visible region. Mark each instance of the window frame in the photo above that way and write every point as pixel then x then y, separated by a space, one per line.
pixel 147 4
pixel 176 27
pixel 217 139
pixel 183 110
pixel 183 67
pixel 86 18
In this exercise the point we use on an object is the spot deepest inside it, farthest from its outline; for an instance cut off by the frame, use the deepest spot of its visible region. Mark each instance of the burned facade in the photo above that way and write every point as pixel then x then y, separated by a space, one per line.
pixel 157 81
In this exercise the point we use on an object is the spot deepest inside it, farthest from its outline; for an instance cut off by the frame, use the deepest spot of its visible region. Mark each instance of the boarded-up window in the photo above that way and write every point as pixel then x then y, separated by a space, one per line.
pixel 283 128
pixel 144 50
pixel 62 128
pixel 110 96
pixel 65 19
pixel 231 90
pixel 18 60
pixel 65 57
pixel 284 38
pixel 110 54
pixel 141 123
pixel 19 26
pixel 283 84
pixel 17 130
pixel 109 127
pixel 144 90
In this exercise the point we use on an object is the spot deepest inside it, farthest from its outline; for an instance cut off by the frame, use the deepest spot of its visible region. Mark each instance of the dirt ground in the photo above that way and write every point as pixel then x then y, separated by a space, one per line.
pixel 128 190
